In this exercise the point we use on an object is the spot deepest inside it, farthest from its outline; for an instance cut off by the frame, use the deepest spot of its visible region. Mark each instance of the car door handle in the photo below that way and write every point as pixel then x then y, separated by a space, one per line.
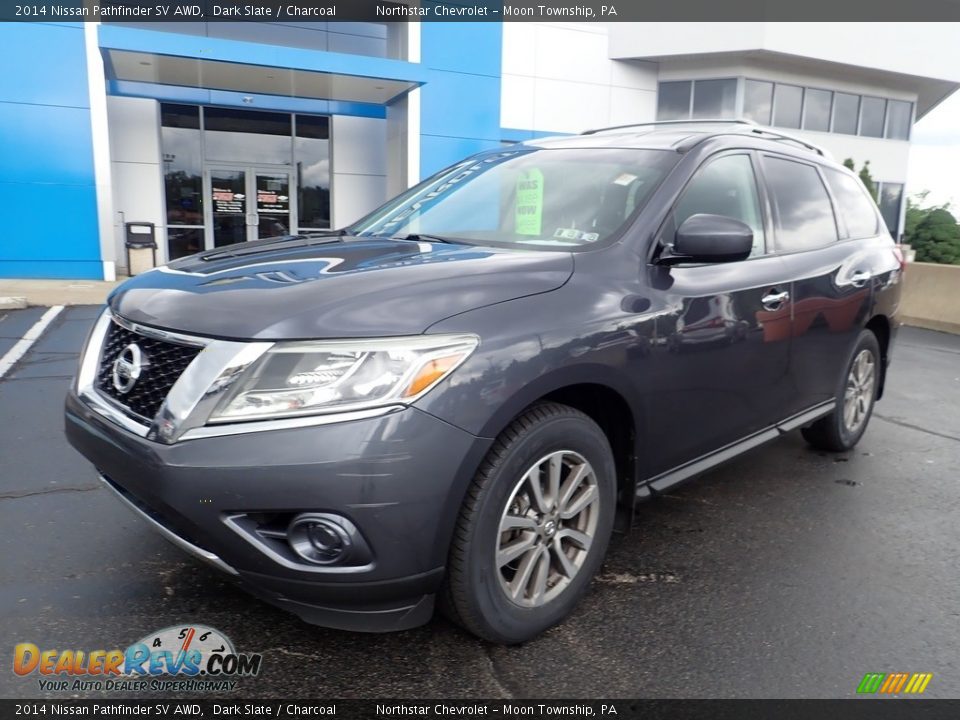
pixel 859 279
pixel 774 299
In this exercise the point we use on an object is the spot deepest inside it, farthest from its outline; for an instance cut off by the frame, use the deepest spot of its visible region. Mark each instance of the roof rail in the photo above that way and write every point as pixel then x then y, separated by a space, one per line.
pixel 745 125
pixel 823 152
pixel 768 133
pixel 656 123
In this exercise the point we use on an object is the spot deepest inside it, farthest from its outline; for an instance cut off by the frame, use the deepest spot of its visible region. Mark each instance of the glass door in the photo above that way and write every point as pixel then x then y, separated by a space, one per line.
pixel 248 203
pixel 273 214
pixel 228 206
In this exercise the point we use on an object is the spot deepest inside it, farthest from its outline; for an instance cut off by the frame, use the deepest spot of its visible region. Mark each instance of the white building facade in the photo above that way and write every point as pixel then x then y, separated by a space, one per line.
pixel 217 133
pixel 854 89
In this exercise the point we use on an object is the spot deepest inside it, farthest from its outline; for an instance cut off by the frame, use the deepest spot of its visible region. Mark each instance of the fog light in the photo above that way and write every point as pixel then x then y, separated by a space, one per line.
pixel 318 539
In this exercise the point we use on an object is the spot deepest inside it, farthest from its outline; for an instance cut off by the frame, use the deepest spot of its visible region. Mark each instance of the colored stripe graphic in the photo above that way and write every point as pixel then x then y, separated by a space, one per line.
pixel 870 683
pixel 894 683
pixel 922 684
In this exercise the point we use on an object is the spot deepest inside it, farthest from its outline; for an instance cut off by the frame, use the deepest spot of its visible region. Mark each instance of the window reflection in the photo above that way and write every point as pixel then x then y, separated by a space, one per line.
pixel 245 136
pixel 758 101
pixel 891 197
pixel 182 165
pixel 846 113
pixel 673 100
pixel 898 119
pixel 312 155
pixel 183 241
pixel 804 215
pixel 787 104
pixel 193 136
pixel 871 116
pixel 816 110
pixel 714 98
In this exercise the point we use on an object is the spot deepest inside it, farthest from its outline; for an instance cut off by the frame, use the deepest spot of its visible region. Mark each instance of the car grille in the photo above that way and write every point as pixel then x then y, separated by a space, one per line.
pixel 167 362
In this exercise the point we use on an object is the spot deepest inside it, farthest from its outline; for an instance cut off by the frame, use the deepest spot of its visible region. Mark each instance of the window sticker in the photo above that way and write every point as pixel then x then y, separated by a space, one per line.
pixel 529 212
pixel 574 234
pixel 624 179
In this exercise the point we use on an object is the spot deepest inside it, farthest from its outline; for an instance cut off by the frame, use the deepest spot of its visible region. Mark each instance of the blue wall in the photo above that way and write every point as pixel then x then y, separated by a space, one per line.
pixel 460 103
pixel 47 190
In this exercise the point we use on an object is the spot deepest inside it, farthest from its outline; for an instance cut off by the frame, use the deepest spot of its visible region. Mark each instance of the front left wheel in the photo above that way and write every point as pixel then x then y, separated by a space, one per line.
pixel 534 527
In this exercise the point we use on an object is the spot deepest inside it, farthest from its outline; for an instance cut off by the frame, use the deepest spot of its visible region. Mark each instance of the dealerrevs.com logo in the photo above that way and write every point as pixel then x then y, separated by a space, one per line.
pixel 182 658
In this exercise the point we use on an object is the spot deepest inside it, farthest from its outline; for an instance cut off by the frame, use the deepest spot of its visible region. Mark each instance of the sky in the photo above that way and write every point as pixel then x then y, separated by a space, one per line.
pixel 935 154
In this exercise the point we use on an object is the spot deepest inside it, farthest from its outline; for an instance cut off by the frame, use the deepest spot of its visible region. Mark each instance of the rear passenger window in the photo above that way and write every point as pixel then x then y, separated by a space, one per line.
pixel 804 215
pixel 858 209
pixel 726 186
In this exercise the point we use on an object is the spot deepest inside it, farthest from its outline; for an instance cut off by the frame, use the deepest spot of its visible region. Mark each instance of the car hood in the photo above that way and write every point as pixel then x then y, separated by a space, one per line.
pixel 302 288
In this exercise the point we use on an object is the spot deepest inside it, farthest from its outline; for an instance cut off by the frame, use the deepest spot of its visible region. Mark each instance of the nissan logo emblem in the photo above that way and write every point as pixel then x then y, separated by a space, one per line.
pixel 127 368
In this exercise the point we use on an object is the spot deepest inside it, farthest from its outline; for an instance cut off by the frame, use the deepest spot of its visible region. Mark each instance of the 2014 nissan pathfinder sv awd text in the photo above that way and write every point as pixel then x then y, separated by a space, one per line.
pixel 454 400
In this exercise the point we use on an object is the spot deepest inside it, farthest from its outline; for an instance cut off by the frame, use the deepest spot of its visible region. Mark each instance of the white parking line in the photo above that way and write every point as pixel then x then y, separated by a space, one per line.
pixel 31 336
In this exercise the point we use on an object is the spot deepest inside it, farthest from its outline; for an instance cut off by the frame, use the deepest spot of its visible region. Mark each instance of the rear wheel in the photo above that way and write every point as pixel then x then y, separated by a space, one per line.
pixel 534 527
pixel 843 428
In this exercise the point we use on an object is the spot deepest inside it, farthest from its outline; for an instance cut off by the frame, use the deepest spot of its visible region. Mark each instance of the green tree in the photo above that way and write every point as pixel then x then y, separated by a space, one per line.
pixel 865 177
pixel 932 232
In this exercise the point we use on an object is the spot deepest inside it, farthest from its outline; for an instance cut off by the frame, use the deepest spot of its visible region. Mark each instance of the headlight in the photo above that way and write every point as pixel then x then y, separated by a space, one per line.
pixel 304 378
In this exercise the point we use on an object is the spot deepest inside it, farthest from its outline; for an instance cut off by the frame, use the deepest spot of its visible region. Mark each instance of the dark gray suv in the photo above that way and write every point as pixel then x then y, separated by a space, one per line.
pixel 455 400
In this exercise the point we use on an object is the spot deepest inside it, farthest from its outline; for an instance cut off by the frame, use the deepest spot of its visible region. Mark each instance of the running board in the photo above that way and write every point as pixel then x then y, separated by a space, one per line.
pixel 669 479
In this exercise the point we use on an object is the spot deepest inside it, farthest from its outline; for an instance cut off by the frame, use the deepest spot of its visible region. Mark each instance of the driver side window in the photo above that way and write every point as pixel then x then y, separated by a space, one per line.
pixel 726 186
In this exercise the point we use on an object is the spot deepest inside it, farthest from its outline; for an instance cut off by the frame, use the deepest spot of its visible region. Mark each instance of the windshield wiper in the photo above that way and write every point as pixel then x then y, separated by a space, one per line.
pixel 421 237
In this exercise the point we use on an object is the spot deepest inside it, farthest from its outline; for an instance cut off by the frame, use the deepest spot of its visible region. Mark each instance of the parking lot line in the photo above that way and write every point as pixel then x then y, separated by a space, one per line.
pixel 29 338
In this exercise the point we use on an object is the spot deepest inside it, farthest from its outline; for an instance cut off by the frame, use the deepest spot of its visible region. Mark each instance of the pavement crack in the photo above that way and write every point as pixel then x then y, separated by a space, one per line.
pixel 51 491
pixel 498 680
pixel 292 653
pixel 633 579
pixel 901 423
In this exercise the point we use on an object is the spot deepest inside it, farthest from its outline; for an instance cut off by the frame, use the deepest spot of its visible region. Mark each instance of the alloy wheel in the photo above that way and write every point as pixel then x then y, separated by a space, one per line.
pixel 547 528
pixel 860 390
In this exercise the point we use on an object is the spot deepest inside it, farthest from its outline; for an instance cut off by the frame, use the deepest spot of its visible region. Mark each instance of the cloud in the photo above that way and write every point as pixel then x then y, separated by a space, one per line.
pixel 935 168
pixel 935 154
pixel 941 126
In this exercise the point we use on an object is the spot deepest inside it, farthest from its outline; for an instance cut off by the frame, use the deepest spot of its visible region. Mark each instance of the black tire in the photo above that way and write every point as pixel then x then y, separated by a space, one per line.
pixel 474 595
pixel 832 433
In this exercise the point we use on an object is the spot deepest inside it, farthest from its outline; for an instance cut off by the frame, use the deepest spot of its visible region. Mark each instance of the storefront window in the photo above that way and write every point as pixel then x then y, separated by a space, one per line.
pixel 898 119
pixel 758 101
pixel 673 100
pixel 891 196
pixel 846 112
pixel 714 98
pixel 183 241
pixel 182 165
pixel 312 159
pixel 787 104
pixel 245 136
pixel 872 111
pixel 260 176
pixel 816 110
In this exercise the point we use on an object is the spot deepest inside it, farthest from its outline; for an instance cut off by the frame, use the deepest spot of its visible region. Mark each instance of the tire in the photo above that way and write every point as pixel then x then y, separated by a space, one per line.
pixel 842 429
pixel 501 602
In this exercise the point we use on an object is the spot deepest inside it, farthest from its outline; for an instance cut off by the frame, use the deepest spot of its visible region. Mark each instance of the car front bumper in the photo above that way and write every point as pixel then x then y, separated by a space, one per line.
pixel 399 479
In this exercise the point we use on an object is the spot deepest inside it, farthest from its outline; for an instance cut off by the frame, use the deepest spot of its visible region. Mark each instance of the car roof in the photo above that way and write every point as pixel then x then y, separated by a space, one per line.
pixel 683 135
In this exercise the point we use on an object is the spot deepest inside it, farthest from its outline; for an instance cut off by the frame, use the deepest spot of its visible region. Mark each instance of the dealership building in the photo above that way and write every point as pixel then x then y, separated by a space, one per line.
pixel 207 134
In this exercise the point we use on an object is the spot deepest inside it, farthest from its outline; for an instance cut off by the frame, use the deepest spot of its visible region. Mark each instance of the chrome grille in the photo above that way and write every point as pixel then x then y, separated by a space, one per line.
pixel 167 361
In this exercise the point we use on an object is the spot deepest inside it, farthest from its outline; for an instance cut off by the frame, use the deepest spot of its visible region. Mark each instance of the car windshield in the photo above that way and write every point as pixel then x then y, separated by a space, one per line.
pixel 525 197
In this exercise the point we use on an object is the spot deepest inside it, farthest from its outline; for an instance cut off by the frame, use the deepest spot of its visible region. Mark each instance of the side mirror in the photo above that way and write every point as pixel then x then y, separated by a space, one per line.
pixel 711 239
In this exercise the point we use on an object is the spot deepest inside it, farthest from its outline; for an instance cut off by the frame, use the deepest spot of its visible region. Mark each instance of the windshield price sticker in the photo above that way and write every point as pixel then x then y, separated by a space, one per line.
pixel 529 212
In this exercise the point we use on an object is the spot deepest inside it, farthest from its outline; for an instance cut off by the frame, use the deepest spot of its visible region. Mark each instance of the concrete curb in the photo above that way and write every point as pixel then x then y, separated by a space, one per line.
pixel 12 303
pixel 18 294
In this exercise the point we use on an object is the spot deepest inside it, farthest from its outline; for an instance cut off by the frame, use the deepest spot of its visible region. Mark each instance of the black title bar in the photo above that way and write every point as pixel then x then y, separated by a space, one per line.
pixel 480 11
pixel 854 709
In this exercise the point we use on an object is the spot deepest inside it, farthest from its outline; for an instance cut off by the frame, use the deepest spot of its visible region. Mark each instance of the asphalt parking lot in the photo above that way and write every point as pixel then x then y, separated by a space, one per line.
pixel 787 573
